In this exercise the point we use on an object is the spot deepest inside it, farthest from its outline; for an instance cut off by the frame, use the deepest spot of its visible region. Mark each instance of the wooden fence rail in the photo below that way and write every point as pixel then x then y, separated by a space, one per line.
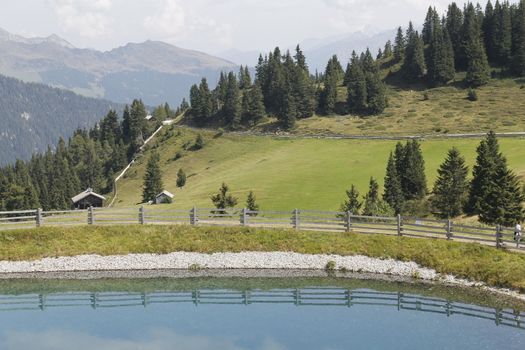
pixel 309 220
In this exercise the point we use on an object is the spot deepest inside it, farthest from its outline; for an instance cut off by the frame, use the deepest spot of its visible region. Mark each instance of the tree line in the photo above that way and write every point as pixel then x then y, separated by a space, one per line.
pixel 494 193
pixel 90 158
pixel 469 40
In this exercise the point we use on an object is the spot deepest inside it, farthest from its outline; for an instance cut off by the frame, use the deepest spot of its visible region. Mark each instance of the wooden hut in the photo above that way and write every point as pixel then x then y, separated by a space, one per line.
pixel 164 197
pixel 87 199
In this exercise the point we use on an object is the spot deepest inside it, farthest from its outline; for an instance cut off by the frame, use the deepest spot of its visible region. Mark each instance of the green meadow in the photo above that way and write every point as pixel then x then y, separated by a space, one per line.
pixel 305 173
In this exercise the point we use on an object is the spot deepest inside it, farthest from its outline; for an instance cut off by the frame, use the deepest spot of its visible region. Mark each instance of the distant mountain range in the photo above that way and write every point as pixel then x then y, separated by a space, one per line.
pixel 319 51
pixel 154 71
pixel 33 116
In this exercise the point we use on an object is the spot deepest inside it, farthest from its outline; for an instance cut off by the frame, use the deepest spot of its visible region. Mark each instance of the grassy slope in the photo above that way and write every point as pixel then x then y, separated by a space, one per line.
pixel 495 267
pixel 286 173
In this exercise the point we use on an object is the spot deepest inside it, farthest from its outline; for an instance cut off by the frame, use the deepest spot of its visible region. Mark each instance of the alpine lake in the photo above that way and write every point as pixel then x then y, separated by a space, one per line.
pixel 246 312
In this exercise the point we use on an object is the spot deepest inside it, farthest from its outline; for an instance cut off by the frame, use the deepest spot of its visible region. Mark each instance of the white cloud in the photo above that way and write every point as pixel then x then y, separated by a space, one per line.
pixel 161 339
pixel 87 18
pixel 169 19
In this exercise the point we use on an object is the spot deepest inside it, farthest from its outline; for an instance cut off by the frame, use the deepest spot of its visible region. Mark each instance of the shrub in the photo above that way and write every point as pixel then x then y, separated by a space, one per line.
pixel 330 266
pixel 199 143
pixel 472 95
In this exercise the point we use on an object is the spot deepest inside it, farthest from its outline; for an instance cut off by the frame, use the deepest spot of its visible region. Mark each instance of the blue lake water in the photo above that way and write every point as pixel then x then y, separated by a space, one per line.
pixel 244 315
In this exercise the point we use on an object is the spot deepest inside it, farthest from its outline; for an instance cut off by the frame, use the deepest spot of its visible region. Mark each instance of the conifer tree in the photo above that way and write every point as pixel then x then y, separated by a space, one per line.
pixel 251 204
pixel 430 24
pixel 502 34
pixel 328 98
pixel 399 45
pixel 414 63
pixel 478 72
pixel 451 187
pixel 352 204
pixel 232 104
pixel 454 24
pixel 181 178
pixel 376 93
pixel 253 105
pixel 388 51
pixel 373 205
pixel 440 57
pixel 224 199
pixel 357 94
pixel 393 193
pixel 518 58
pixel 413 178
pixel 152 179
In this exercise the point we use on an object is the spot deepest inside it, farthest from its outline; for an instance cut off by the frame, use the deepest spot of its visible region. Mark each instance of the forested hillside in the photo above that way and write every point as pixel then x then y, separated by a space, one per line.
pixel 34 116
pixel 464 49
pixel 90 158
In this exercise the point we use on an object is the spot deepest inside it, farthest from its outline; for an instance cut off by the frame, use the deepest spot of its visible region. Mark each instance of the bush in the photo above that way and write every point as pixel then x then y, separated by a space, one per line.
pixel 330 266
pixel 199 143
pixel 472 95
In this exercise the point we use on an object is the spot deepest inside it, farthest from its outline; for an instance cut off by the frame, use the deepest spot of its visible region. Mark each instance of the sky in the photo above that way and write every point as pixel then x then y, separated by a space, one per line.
pixel 212 26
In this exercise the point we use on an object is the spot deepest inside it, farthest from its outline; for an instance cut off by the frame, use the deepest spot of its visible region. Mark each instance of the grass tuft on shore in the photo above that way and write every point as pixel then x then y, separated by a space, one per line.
pixel 472 261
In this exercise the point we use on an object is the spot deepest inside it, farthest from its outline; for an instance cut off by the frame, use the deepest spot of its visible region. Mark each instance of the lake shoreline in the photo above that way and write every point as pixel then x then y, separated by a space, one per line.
pixel 245 264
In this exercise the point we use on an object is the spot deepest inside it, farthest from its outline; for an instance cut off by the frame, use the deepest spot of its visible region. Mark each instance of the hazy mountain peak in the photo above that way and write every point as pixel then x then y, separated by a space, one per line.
pixel 52 39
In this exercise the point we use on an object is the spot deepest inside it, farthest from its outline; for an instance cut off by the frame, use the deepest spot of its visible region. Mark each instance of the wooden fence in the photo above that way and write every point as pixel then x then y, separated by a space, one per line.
pixel 331 297
pixel 308 220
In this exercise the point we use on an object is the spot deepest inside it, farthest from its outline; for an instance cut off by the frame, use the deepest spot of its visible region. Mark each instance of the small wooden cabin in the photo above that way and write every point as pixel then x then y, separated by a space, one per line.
pixel 87 199
pixel 164 197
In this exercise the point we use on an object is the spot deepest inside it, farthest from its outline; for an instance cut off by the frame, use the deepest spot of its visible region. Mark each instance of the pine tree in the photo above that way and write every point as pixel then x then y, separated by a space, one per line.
pixel 253 106
pixel 251 204
pixel 451 187
pixel 387 51
pixel 357 94
pixel 393 193
pixel 414 64
pixel 440 58
pixel 478 70
pixel 430 24
pixel 373 205
pixel 352 203
pixel 223 199
pixel 454 24
pixel 328 98
pixel 232 104
pixel 152 179
pixel 502 34
pixel 376 93
pixel 518 58
pixel 181 178
pixel 399 45
pixel 413 178
pixel 489 28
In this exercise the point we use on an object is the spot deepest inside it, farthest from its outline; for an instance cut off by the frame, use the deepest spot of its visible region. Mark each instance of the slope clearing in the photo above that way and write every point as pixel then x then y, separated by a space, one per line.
pixel 304 173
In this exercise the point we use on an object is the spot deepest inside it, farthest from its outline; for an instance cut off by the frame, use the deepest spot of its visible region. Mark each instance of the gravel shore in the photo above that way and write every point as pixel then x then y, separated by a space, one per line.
pixel 236 261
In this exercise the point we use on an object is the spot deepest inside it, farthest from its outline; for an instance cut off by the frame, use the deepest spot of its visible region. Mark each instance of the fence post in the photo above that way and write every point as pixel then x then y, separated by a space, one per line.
pixel 498 236
pixel 39 220
pixel 193 216
pixel 348 221
pixel 91 217
pixel 295 219
pixel 399 226
pixel 142 216
pixel 244 217
pixel 449 229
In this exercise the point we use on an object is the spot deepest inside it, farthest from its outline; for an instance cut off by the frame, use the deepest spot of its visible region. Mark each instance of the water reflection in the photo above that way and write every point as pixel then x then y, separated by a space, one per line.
pixel 251 318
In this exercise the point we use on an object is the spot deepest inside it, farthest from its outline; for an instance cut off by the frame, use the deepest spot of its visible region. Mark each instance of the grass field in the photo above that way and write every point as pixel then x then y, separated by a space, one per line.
pixel 500 107
pixel 284 173
pixel 495 267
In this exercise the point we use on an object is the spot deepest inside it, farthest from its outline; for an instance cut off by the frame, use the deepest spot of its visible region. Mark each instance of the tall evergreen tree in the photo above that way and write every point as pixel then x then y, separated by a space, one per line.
pixel 253 105
pixel 357 94
pixel 414 64
pixel 454 24
pixel 430 24
pixel 393 193
pixel 518 58
pixel 328 98
pixel 478 70
pixel 152 179
pixel 413 178
pixel 440 57
pixel 232 104
pixel 181 178
pixel 399 45
pixel 373 204
pixel 451 187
